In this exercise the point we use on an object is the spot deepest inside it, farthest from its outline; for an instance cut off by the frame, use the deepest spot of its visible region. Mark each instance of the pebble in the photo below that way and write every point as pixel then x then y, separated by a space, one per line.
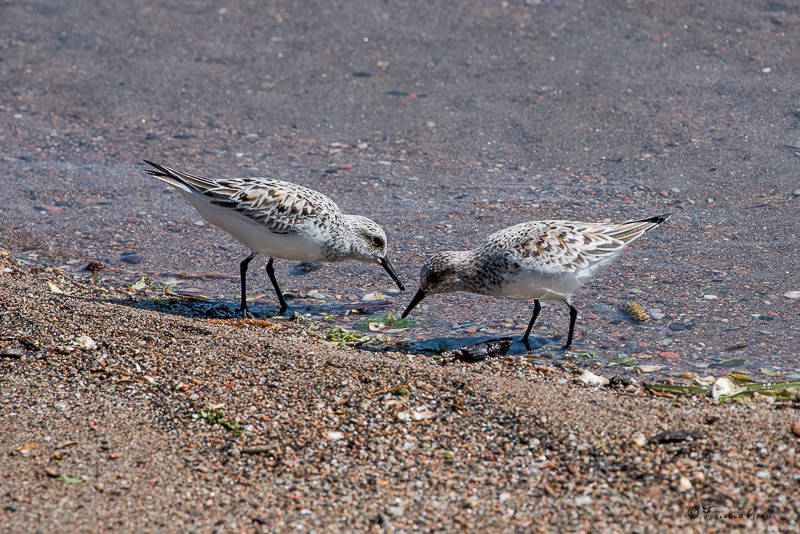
pixel 334 435
pixel 656 314
pixel 54 288
pixel 684 484
pixel 591 379
pixel 374 296
pixel 710 297
pixel 583 500
pixel 649 368
pixel 394 511
pixel 86 343
pixel 314 294
pixel 792 294
pixel 639 439
pixel 722 386
pixel 669 355
pixel 796 428
pixel 415 414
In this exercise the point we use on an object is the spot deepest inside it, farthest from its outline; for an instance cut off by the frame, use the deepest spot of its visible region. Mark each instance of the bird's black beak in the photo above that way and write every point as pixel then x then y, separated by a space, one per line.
pixel 388 266
pixel 417 298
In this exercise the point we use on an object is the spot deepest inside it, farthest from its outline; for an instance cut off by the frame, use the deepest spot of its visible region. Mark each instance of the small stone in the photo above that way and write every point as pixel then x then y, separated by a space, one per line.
pixel 86 343
pixel 583 500
pixel 722 387
pixel 792 294
pixel 415 414
pixel 50 471
pixel 649 368
pixel 374 296
pixel 796 428
pixel 394 511
pixel 334 435
pixel 591 379
pixel 639 439
pixel 656 314
pixel 764 473
pixel 504 497
pixel 669 355
pixel 710 297
pixel 314 294
pixel 684 484
pixel 54 288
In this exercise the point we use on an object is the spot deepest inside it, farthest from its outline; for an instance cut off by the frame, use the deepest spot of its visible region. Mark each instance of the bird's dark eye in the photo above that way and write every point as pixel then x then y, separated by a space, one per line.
pixel 377 241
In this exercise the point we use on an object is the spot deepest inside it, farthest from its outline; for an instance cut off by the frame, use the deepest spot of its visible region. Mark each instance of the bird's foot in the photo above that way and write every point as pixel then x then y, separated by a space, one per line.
pixel 246 314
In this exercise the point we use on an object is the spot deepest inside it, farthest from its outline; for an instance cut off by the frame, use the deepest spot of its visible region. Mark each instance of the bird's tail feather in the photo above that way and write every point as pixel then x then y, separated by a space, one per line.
pixel 182 180
pixel 630 230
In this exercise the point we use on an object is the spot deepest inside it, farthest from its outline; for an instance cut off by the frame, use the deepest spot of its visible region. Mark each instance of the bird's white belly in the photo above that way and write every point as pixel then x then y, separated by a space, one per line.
pixel 526 285
pixel 301 246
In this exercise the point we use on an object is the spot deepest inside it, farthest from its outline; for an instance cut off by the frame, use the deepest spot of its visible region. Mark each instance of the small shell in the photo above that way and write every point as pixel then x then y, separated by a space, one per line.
pixel 637 311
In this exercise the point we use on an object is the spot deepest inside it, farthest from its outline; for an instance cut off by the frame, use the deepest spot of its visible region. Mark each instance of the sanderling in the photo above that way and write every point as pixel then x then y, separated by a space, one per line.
pixel 280 220
pixel 546 260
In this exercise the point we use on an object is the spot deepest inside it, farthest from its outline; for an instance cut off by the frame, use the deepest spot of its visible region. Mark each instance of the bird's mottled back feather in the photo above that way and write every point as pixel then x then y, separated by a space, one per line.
pixel 280 206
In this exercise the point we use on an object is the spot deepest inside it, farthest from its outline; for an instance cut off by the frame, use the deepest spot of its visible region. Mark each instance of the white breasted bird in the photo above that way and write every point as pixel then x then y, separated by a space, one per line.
pixel 540 260
pixel 281 220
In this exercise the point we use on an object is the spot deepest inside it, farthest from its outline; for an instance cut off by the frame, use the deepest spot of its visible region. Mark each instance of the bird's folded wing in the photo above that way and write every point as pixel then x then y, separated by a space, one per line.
pixel 556 248
pixel 276 207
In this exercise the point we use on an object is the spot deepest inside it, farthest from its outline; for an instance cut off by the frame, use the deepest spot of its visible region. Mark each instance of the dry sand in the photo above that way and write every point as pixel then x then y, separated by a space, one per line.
pixel 119 433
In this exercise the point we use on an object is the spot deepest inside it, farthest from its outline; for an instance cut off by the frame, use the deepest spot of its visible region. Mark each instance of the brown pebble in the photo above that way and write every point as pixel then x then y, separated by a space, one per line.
pixel 796 428
pixel 711 418
pixel 50 471
pixel 669 355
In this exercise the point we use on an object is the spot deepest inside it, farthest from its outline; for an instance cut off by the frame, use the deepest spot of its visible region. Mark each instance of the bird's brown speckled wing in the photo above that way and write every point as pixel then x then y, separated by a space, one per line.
pixel 566 246
pixel 279 206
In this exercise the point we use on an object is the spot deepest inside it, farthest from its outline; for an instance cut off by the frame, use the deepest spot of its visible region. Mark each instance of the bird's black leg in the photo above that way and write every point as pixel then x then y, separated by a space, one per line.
pixel 243 276
pixel 271 273
pixel 573 316
pixel 536 309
